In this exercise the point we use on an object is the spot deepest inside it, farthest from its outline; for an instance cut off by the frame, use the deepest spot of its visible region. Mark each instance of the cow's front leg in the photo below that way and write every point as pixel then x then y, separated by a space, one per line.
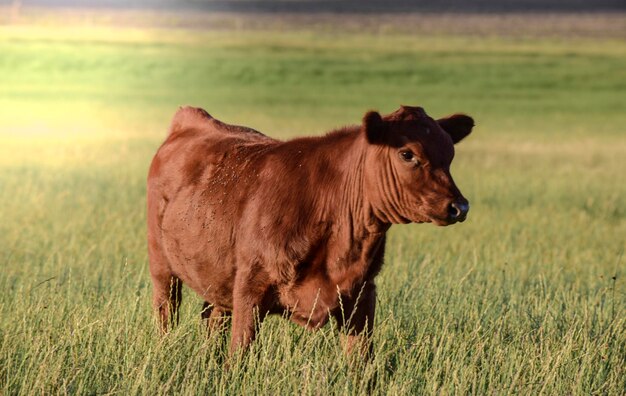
pixel 251 284
pixel 356 321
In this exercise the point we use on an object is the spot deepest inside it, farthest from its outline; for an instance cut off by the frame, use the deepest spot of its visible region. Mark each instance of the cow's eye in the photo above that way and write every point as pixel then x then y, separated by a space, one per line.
pixel 406 156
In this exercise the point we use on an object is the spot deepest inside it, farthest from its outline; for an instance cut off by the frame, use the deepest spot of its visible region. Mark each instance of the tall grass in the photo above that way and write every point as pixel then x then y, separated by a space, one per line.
pixel 527 296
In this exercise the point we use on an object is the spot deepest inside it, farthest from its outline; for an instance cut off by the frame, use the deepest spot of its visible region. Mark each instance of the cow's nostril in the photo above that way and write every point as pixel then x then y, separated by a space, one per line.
pixel 458 210
pixel 454 211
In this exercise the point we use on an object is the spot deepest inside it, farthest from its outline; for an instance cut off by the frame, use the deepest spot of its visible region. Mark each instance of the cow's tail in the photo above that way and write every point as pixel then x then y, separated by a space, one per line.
pixel 188 117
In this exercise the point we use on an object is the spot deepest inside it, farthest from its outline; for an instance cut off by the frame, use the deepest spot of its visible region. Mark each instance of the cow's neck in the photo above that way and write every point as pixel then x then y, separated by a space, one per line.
pixel 346 204
pixel 358 235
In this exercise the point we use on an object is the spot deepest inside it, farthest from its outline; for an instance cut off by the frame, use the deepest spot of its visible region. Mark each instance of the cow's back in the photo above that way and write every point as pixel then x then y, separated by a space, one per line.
pixel 195 147
pixel 197 188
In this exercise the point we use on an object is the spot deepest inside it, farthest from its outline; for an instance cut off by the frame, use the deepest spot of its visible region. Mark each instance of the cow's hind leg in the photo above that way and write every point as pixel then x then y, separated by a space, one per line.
pixel 251 285
pixel 166 299
pixel 215 317
pixel 167 288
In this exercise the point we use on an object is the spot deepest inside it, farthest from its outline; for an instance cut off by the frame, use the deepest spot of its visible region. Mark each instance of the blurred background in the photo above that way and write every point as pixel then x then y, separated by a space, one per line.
pixel 533 281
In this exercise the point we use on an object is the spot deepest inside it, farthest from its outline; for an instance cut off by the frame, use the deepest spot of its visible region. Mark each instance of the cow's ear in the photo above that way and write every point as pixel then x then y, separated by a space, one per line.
pixel 374 127
pixel 457 126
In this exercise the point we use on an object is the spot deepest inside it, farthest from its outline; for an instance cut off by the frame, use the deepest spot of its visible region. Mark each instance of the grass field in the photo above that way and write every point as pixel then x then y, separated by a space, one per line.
pixel 526 297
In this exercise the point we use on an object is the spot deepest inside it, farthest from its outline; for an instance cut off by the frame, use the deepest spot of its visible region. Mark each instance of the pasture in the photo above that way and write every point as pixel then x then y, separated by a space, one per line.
pixel 527 296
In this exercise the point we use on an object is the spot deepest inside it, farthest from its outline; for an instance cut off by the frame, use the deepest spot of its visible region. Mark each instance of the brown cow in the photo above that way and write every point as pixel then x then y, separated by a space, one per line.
pixel 256 225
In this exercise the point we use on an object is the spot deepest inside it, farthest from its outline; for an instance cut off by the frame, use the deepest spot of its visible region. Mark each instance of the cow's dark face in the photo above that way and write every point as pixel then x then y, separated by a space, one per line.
pixel 407 174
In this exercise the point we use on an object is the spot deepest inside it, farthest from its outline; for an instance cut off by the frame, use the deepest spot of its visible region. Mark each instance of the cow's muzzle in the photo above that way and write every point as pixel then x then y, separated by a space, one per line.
pixel 457 211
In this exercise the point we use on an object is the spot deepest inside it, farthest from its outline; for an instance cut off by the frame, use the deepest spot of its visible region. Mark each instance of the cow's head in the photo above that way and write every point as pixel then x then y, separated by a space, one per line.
pixel 407 166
